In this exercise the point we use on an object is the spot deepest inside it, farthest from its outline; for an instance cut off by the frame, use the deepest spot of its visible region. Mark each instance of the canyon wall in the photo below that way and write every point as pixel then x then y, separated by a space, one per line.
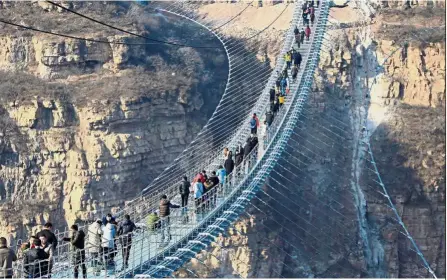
pixel 87 125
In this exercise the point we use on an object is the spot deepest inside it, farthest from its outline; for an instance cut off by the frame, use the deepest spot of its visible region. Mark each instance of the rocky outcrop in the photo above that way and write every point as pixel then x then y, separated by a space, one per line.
pixel 415 76
pixel 81 158
pixel 52 57
pixel 403 86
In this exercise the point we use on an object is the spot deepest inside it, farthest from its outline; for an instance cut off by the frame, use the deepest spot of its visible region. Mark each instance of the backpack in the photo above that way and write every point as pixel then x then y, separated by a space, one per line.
pixel 253 123
pixel 153 222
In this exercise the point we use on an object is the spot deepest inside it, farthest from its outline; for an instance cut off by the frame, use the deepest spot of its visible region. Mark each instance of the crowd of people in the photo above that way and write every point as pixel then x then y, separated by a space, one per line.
pixel 103 235
pixel 36 256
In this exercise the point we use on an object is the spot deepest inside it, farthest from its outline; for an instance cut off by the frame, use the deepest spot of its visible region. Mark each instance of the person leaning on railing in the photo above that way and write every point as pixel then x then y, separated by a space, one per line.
pixel 49 251
pixel 239 154
pixel 221 174
pixel 25 247
pixel 7 256
pixel 210 188
pixel 77 242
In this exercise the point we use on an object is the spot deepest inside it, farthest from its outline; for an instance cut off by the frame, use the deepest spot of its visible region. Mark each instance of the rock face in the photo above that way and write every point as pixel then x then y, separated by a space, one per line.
pixel 55 58
pixel 85 126
pixel 417 74
pixel 80 159
pixel 405 83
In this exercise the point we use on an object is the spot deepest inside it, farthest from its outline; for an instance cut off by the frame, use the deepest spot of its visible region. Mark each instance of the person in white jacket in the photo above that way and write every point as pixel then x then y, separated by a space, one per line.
pixel 94 234
pixel 108 241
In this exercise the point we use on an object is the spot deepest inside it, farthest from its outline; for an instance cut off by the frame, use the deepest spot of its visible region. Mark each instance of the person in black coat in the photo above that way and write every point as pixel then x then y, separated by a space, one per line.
pixel 48 233
pixel 247 147
pixel 125 229
pixel 229 163
pixel 184 191
pixel 254 141
pixel 268 118
pixel 239 154
pixel 77 242
pixel 297 59
pixel 35 261
pixel 272 95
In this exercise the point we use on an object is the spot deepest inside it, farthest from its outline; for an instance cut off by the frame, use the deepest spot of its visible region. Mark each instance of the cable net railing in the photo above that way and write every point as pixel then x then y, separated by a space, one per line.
pixel 141 207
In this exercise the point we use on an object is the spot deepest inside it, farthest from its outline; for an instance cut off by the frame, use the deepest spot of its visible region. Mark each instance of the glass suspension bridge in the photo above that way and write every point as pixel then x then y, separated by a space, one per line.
pixel 195 227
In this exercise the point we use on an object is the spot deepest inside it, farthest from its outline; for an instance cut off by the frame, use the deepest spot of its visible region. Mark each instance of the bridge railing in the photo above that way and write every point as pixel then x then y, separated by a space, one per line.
pixel 229 210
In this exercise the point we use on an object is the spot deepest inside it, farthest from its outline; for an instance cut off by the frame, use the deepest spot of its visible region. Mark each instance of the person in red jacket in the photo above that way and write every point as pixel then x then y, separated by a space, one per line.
pixel 200 177
pixel 307 32
pixel 256 118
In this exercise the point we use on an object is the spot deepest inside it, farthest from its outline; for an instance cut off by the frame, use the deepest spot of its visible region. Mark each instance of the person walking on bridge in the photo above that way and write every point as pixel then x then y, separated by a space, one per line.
pixel 247 149
pixel 308 31
pixel 278 83
pixel 254 123
pixel 296 32
pixel 272 95
pixel 283 86
pixel 125 229
pixel 288 59
pixel 294 72
pixel 303 34
pixel 297 59
pixel 312 15
pixel 165 211
pixel 184 189
pixel 268 118
pixel 198 190
pixel 229 164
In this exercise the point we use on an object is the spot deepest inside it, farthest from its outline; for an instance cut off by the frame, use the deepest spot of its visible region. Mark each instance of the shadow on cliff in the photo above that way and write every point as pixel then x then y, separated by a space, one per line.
pixel 12 143
pixel 410 157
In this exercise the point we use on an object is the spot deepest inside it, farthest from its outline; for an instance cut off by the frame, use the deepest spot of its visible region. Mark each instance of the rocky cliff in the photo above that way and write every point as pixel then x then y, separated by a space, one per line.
pixel 86 125
pixel 400 79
